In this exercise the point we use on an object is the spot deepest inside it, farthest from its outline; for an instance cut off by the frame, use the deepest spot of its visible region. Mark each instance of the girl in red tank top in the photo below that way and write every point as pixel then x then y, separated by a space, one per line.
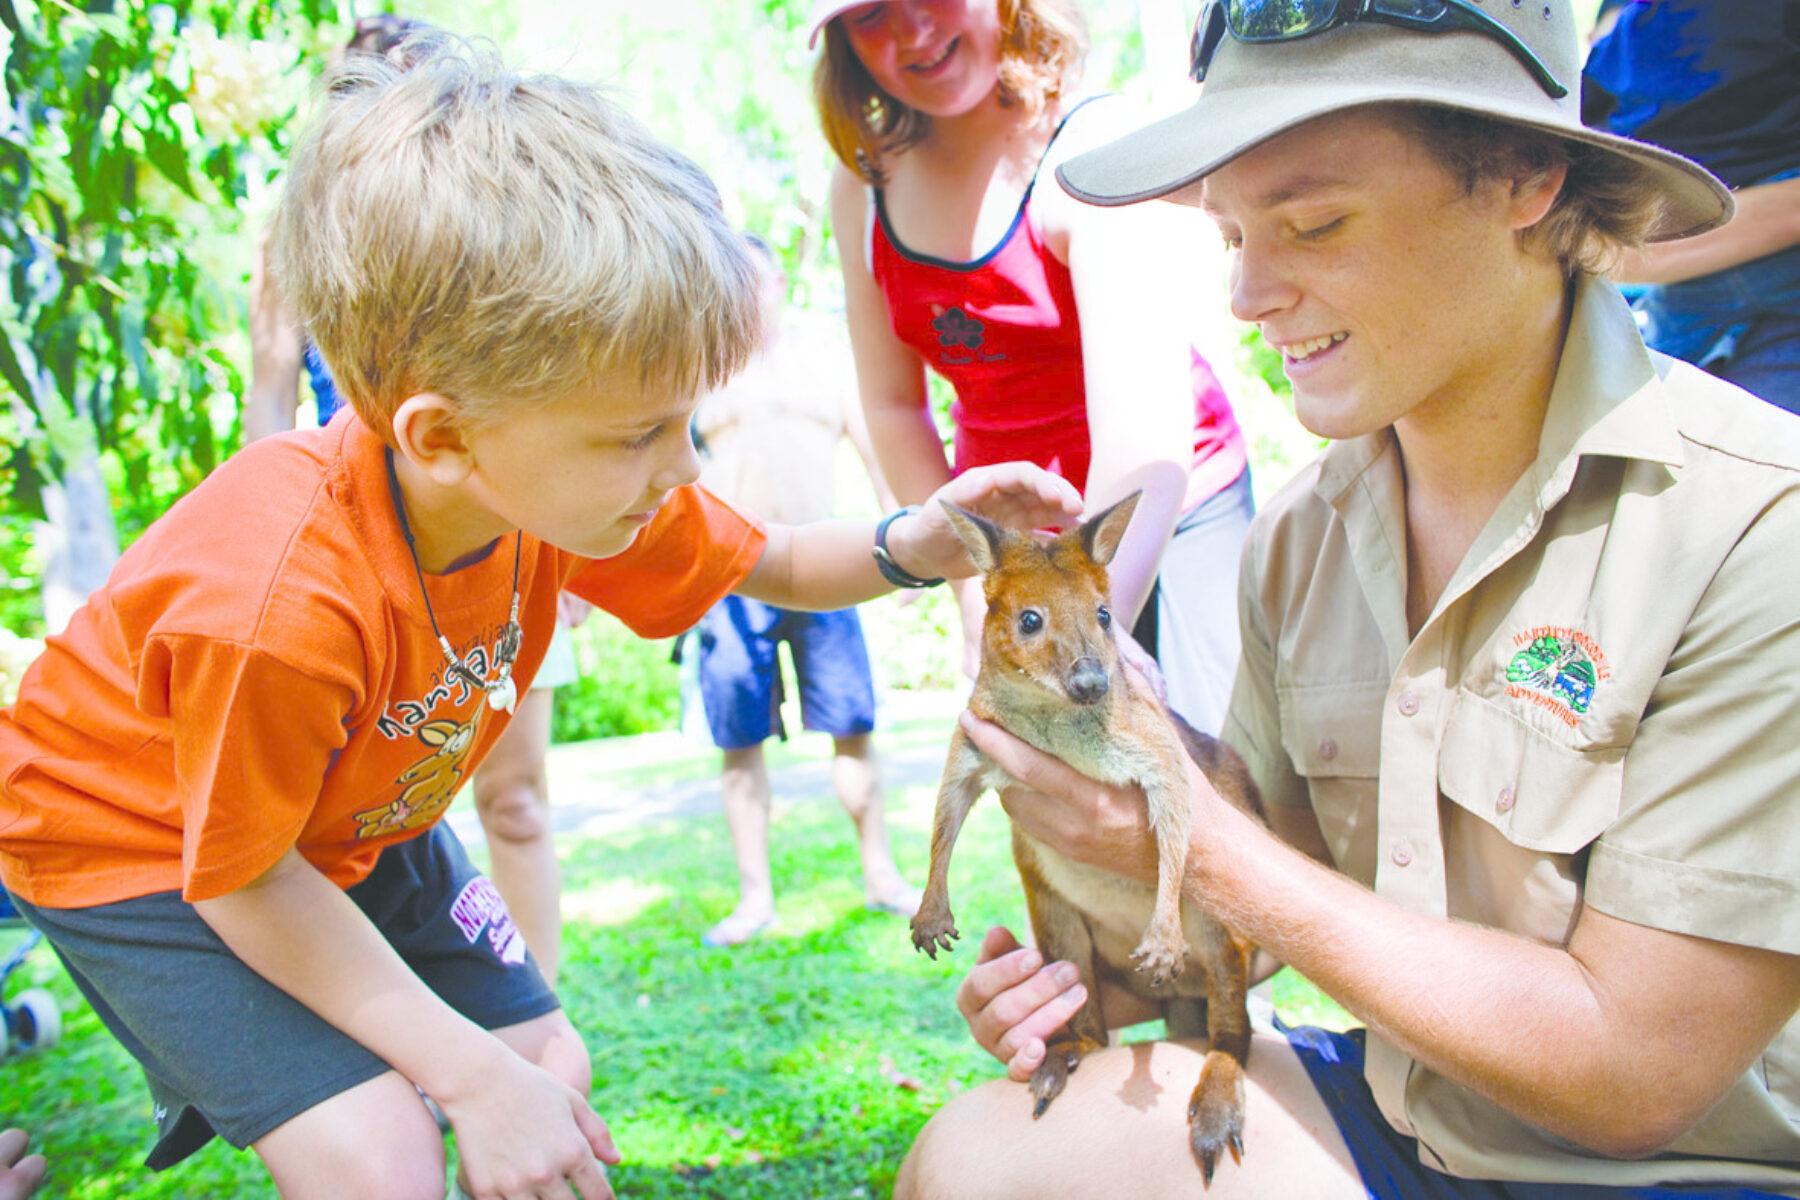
pixel 1067 331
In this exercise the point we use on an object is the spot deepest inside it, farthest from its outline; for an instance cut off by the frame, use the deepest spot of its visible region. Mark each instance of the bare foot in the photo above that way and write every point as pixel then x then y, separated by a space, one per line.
pixel 742 925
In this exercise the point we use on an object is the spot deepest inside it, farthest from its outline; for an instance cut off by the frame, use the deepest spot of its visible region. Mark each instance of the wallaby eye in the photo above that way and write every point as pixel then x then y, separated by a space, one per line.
pixel 1105 615
pixel 1030 621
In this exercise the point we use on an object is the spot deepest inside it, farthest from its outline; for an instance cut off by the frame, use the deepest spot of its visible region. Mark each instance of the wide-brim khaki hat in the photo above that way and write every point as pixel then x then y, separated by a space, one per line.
pixel 1254 92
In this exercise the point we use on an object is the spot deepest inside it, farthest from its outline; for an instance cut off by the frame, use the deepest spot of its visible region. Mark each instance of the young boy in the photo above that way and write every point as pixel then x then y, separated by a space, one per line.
pixel 1518 671
pixel 223 780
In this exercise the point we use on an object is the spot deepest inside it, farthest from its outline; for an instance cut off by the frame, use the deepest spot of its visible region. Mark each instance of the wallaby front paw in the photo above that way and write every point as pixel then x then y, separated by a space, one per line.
pixel 1160 955
pixel 1216 1113
pixel 932 927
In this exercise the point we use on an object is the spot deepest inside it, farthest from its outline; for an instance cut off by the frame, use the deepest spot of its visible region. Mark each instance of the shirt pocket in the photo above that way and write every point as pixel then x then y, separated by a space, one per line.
pixel 1540 793
pixel 1333 737
pixel 1333 732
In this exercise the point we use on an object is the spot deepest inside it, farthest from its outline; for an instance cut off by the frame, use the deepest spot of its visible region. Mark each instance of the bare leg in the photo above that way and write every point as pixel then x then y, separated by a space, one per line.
pixel 375 1141
pixel 744 788
pixel 512 798
pixel 1120 1129
pixel 856 774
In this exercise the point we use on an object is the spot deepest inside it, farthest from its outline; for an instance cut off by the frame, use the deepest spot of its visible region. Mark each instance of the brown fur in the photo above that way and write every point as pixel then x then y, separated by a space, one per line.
pixel 1050 673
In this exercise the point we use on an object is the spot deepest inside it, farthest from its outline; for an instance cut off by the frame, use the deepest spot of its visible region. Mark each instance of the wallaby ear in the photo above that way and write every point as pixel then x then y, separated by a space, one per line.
pixel 1101 535
pixel 979 534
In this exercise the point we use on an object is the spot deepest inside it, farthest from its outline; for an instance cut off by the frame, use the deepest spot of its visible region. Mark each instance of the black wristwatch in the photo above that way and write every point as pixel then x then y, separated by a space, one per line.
pixel 892 571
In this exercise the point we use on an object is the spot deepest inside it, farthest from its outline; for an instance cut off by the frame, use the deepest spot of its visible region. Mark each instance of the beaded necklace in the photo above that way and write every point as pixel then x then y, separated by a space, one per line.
pixel 502 693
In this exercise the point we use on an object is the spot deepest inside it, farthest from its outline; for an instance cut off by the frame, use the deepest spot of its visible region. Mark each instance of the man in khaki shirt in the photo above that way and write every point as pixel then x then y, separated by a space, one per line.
pixel 1518 675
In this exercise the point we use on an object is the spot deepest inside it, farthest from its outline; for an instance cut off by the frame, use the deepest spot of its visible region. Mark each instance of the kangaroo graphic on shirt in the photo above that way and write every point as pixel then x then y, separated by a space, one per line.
pixel 429 785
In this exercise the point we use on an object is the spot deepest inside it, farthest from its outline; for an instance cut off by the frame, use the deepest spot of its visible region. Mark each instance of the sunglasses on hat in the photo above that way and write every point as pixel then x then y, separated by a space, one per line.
pixel 1261 21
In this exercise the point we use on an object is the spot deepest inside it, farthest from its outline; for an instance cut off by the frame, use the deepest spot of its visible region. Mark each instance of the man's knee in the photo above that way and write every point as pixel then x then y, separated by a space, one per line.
pixel 1120 1129
pixel 944 1160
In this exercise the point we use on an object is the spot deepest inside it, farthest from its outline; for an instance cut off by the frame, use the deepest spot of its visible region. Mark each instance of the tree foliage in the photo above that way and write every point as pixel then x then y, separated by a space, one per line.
pixel 134 135
pixel 140 146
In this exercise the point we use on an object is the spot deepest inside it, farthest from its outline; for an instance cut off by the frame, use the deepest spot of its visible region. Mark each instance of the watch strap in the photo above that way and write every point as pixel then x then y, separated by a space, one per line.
pixel 892 571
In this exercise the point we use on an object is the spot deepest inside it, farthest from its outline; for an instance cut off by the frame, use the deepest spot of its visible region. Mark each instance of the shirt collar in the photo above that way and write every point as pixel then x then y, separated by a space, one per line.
pixel 1608 399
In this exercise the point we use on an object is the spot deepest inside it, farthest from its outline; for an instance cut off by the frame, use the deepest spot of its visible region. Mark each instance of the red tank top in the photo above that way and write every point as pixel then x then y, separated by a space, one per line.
pixel 1004 331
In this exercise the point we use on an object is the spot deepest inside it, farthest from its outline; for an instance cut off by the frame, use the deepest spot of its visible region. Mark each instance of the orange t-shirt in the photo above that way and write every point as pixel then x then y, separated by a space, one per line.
pixel 259 673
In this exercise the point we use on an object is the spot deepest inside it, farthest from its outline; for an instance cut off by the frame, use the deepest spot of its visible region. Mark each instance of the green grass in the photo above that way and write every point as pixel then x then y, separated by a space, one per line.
pixel 800 1065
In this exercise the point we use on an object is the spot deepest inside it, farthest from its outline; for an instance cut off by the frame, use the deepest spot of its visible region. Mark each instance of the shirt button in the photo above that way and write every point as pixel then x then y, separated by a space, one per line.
pixel 1327 749
pixel 1402 852
pixel 1409 704
pixel 1504 801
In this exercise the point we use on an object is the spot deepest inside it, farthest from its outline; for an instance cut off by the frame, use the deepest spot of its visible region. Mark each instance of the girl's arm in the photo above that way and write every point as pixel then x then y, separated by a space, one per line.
pixel 889 376
pixel 828 564
pixel 891 380
pixel 1767 221
pixel 1139 273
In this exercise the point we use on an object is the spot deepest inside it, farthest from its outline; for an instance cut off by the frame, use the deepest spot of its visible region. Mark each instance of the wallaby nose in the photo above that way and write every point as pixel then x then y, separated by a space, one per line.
pixel 1087 680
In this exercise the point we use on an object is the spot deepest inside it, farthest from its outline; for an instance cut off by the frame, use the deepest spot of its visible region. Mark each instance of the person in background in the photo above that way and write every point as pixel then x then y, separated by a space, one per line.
pixel 1065 329
pixel 1517 684
pixel 279 347
pixel 511 788
pixel 769 439
pixel 1719 82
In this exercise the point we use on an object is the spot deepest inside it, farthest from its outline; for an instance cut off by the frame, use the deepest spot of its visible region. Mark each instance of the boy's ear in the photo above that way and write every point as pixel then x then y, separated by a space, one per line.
pixel 430 433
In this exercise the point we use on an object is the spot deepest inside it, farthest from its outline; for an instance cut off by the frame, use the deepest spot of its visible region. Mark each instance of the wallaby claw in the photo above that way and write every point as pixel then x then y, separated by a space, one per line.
pixel 1216 1114
pixel 929 933
pixel 1048 1081
pixel 1061 1057
pixel 1206 1150
pixel 1160 957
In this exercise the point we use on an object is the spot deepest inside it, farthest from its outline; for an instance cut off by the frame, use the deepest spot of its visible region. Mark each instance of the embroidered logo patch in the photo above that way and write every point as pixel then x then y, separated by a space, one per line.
pixel 1556 668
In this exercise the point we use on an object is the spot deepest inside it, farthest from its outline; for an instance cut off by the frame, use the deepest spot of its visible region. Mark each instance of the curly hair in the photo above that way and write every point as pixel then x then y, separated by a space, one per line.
pixel 1041 52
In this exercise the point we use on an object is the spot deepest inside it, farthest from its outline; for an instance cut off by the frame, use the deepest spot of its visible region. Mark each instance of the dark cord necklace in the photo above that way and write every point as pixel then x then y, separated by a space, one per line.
pixel 502 692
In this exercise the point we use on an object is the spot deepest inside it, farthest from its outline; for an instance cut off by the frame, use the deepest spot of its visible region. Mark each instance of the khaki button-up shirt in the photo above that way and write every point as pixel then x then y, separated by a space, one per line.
pixel 1604 708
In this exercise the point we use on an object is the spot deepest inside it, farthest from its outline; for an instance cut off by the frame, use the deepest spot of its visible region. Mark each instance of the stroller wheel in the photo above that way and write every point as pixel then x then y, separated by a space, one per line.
pixel 33 1021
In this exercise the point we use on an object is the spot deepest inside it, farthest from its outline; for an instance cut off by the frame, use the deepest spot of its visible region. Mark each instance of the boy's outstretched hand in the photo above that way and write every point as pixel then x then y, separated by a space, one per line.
pixel 1018 494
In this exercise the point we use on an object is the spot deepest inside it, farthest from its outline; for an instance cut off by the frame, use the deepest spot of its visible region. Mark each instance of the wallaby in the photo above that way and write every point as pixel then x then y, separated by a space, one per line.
pixel 1050 672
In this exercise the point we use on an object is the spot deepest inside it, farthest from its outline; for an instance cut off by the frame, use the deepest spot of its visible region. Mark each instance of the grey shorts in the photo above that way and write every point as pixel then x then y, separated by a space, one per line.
pixel 225 1051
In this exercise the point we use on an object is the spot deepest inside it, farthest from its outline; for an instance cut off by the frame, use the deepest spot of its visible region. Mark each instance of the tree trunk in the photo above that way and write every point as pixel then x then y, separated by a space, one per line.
pixel 80 539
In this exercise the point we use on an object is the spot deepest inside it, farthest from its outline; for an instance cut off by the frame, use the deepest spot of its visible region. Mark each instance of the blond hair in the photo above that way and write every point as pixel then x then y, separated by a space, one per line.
pixel 1043 43
pixel 1607 203
pixel 451 226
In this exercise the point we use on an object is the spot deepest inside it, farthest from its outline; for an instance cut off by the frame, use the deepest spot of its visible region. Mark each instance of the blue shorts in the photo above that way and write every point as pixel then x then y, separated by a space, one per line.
pixel 740 672
pixel 1388 1160
pixel 225 1051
